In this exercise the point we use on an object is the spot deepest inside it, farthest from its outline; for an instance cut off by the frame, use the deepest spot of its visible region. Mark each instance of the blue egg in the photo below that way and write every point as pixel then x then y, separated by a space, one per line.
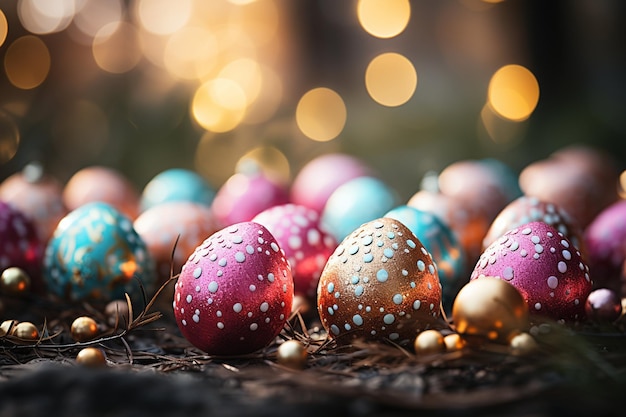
pixel 442 244
pixel 95 253
pixel 354 203
pixel 177 184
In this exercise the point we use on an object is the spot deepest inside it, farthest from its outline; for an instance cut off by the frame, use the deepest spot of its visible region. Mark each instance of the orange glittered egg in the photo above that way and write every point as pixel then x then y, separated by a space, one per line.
pixel 380 283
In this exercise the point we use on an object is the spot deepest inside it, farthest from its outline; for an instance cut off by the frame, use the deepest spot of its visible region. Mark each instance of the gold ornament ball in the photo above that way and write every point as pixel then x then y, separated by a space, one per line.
pixel 429 342
pixel 25 330
pixel 523 344
pixel 292 354
pixel 84 328
pixel 454 342
pixel 117 311
pixel 7 327
pixel 489 308
pixel 14 281
pixel 91 357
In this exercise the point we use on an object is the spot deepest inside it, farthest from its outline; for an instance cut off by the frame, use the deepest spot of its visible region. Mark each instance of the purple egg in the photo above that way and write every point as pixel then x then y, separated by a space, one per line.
pixel 603 305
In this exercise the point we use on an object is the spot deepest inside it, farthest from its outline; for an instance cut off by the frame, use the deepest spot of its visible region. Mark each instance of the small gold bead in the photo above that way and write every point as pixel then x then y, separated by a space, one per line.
pixel 292 354
pixel 454 342
pixel 14 281
pixel 7 327
pixel 429 342
pixel 25 330
pixel 84 329
pixel 523 344
pixel 91 357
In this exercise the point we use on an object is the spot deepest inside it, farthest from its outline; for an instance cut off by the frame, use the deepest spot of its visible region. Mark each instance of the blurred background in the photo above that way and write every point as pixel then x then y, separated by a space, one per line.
pixel 409 86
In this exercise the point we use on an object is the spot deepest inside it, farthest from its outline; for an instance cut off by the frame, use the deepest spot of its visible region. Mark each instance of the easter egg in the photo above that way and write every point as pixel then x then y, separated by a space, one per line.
pixel 321 176
pixel 176 184
pixel 235 292
pixel 605 242
pixel 21 246
pixel 101 184
pixel 603 305
pixel 95 253
pixel 172 231
pixel 441 243
pixel 530 209
pixel 244 196
pixel 37 196
pixel 355 202
pixel 380 283
pixel 307 247
pixel 545 268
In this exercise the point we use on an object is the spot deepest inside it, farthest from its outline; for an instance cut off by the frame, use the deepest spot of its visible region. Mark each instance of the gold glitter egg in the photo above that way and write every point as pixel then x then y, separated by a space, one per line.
pixel 25 330
pixel 454 342
pixel 292 354
pixel 14 281
pixel 380 283
pixel 429 342
pixel 489 309
pixel 7 327
pixel 91 357
pixel 84 328
pixel 523 344
pixel 117 313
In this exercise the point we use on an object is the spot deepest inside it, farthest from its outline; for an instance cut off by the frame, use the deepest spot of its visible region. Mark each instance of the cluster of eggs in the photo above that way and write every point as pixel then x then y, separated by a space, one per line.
pixel 341 238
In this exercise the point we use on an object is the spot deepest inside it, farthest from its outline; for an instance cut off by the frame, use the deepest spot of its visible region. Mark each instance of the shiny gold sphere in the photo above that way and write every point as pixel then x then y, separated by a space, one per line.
pixel 25 330
pixel 7 327
pixel 429 342
pixel 523 344
pixel 117 311
pixel 84 328
pixel 489 309
pixel 91 357
pixel 292 354
pixel 14 281
pixel 454 342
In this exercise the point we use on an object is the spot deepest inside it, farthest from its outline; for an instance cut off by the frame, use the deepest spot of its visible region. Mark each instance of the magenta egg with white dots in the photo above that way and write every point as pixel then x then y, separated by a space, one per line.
pixel 235 292
pixel 307 247
pixel 544 266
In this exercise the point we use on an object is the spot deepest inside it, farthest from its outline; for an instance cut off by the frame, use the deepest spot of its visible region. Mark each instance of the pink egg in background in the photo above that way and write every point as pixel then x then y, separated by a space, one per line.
pixel 306 245
pixel 544 266
pixel 318 178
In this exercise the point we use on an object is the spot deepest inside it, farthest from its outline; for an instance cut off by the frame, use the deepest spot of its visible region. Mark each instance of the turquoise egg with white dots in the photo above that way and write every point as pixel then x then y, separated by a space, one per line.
pixel 442 244
pixel 380 283
pixel 95 254
pixel 177 184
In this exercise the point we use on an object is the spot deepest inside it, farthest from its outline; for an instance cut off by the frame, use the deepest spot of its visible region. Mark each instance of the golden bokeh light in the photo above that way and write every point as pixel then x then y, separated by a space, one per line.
pixel 269 98
pixel 118 51
pixel 258 19
pixel 513 92
pixel 267 159
pixel 384 18
pixel 391 79
pixel 190 53
pixel 46 16
pixel 27 62
pixel 217 154
pixel 219 105
pixel 321 114
pixel 9 137
pixel 499 130
pixel 93 15
pixel 622 185
pixel 163 17
pixel 247 73
pixel 4 28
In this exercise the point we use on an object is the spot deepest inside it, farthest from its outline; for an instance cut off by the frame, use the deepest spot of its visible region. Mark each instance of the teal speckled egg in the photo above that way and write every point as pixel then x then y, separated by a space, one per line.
pixel 96 254
pixel 177 184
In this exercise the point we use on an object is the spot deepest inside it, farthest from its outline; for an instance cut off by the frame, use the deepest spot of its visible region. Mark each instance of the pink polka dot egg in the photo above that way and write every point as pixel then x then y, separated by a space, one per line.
pixel 544 266
pixel 235 292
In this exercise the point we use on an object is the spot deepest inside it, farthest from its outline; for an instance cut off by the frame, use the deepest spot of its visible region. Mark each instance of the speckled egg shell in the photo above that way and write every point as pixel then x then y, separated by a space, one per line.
pixel 605 241
pixel 101 184
pixel 160 226
pixel 244 196
pixel 544 266
pixel 20 245
pixel 176 184
pixel 235 291
pixel 39 199
pixel 95 253
pixel 530 209
pixel 307 247
pixel 319 177
pixel 439 240
pixel 355 202
pixel 380 283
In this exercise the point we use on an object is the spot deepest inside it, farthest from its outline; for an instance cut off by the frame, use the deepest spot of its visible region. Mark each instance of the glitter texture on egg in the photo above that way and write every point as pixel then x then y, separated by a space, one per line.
pixel 235 292
pixel 380 283
pixel 545 268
